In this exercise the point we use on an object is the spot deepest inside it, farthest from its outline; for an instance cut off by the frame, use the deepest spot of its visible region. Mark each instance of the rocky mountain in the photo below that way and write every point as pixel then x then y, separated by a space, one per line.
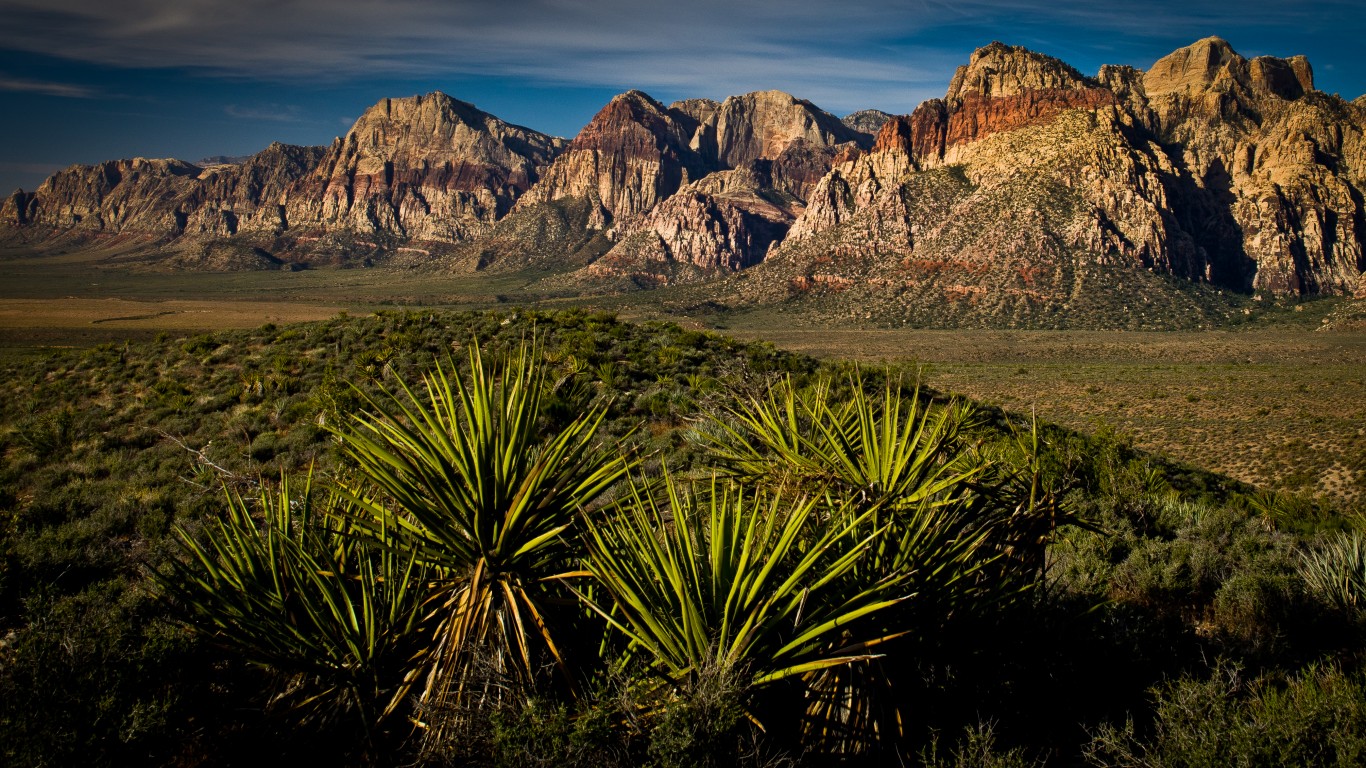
pixel 1030 191
pixel 1029 194
pixel 630 157
pixel 410 171
pixel 696 188
pixel 427 168
pixel 765 152
pixel 1273 169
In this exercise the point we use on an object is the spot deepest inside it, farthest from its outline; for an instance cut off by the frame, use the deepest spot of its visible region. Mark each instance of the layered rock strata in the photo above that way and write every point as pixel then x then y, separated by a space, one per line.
pixel 423 168
pixel 1208 167
pixel 426 168
pixel 700 187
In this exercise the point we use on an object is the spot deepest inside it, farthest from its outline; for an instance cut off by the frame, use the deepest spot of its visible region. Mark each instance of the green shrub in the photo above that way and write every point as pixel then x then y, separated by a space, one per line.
pixel 1314 718
pixel 703 724
pixel 977 749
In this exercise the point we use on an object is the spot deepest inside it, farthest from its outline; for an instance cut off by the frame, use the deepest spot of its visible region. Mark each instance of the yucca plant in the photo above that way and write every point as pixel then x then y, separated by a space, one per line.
pixel 335 616
pixel 462 480
pixel 962 531
pixel 741 580
pixel 939 559
pixel 1023 502
pixel 892 452
pixel 1336 571
pixel 901 457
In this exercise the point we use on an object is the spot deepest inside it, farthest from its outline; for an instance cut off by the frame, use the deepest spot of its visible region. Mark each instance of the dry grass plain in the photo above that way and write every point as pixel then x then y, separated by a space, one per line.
pixel 1282 407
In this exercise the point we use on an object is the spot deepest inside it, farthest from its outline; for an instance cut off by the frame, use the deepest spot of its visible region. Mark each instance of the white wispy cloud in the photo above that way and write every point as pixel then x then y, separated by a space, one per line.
pixel 270 112
pixel 844 55
pixel 67 90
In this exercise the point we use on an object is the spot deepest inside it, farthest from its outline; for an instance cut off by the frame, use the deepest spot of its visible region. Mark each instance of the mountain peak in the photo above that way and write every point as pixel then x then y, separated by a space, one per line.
pixel 868 121
pixel 1196 66
pixel 997 69
pixel 637 97
pixel 1212 64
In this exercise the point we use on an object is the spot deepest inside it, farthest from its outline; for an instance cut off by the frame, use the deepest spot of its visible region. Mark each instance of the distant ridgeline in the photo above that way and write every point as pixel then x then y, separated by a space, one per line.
pixel 1029 191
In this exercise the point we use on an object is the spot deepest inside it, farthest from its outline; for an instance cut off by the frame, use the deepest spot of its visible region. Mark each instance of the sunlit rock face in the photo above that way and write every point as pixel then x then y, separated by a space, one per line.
pixel 1209 167
pixel 426 168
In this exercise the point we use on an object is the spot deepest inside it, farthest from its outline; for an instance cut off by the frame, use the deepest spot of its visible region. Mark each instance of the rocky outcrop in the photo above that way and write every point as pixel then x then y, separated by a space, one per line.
pixel 699 187
pixel 723 223
pixel 1272 177
pixel 163 200
pixel 761 126
pixel 138 196
pixel 867 121
pixel 636 152
pixel 250 195
pixel 632 155
pixel 422 168
pixel 18 210
pixel 998 70
pixel 1002 88
pixel 1208 167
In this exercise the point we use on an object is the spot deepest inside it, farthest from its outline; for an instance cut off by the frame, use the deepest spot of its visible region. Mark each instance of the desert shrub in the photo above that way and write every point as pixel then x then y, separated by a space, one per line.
pixel 702 724
pixel 591 730
pixel 49 433
pixel 1314 718
pixel 1224 575
pixel 94 679
pixel 977 748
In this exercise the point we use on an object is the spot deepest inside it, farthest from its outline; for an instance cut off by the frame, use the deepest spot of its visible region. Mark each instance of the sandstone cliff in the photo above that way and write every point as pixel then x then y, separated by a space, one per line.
pixel 139 196
pixel 699 187
pixel 725 222
pixel 423 168
pixel 868 121
pixel 761 126
pixel 426 168
pixel 630 157
pixel 1028 182
pixel 250 196
pixel 1273 169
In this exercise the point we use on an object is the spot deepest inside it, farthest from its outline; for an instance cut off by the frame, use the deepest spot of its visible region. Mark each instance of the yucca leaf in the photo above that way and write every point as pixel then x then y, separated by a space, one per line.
pixel 457 471
pixel 293 594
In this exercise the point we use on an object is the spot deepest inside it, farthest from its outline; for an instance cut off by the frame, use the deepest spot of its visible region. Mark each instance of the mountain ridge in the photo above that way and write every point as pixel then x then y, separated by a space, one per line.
pixel 1208 167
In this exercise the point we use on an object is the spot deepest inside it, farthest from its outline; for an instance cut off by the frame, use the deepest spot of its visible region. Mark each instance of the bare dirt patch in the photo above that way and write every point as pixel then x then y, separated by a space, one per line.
pixel 181 314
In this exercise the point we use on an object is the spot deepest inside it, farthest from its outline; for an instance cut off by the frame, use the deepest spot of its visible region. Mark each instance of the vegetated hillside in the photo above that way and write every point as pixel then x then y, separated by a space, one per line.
pixel 106 451
pixel 1030 195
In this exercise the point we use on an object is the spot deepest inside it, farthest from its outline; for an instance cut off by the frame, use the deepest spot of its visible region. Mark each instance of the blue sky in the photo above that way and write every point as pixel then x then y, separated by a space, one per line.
pixel 88 80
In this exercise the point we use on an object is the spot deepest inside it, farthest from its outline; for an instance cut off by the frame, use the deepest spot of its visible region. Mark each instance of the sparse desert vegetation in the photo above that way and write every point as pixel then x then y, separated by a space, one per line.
pixel 971 561
pixel 1269 400
pixel 1280 407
